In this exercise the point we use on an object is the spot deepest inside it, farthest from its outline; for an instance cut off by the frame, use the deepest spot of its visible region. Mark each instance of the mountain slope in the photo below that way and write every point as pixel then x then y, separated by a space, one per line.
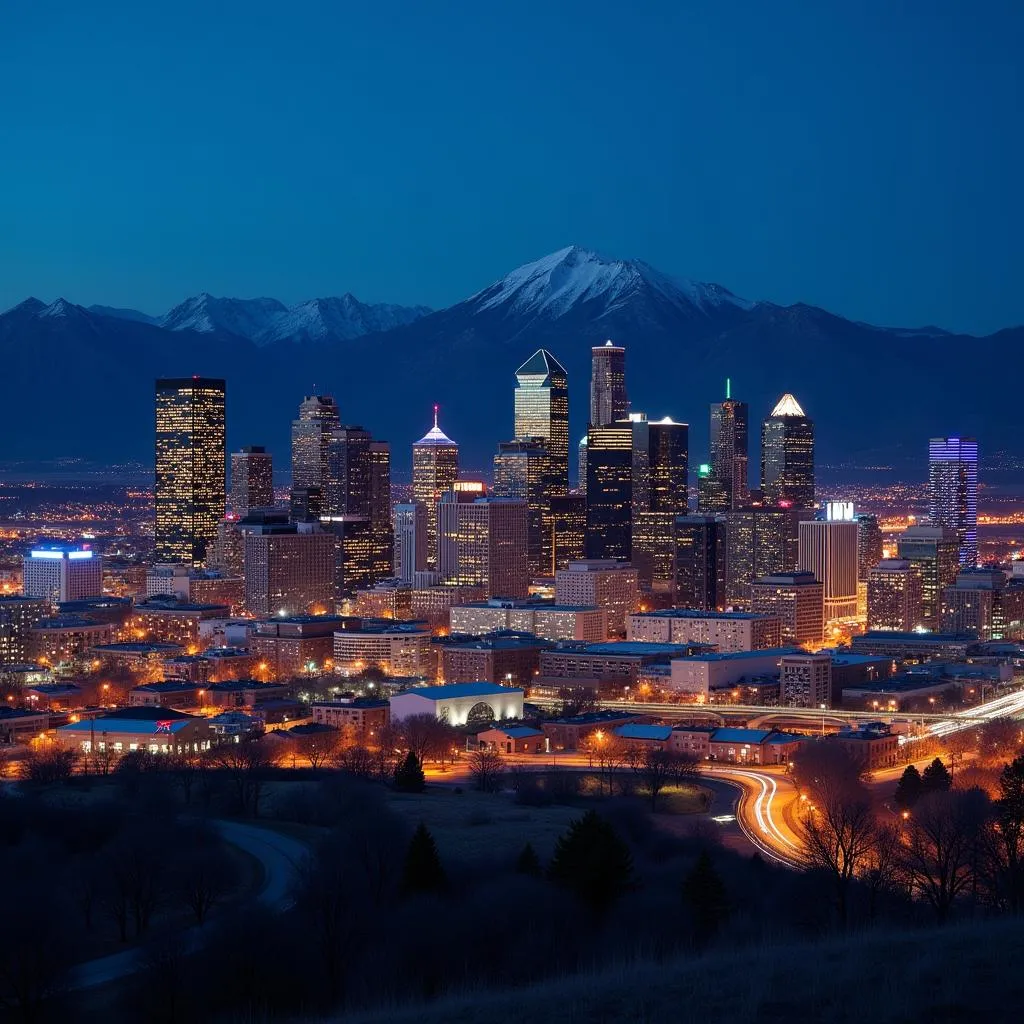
pixel 868 389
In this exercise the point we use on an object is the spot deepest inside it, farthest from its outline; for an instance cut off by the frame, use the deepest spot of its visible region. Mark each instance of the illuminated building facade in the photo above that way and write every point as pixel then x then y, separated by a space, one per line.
pixel 381 530
pixel 190 467
pixel 610 491
pixel 17 617
pixel 953 491
pixel 523 470
pixel 252 480
pixel 542 411
pixel 435 468
pixel 410 525
pixel 729 451
pixel 869 544
pixel 712 494
pixel 62 572
pixel 654 550
pixel 934 552
pixel 760 542
pixel 894 596
pixel 600 583
pixel 311 432
pixel 796 599
pixel 668 466
pixel 787 456
pixel 568 527
pixel 828 549
pixel 985 603
pixel 608 401
pixel 700 552
pixel 289 569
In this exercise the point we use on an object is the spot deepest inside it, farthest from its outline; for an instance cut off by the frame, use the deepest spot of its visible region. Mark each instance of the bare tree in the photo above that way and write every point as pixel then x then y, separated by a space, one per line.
pixel 246 765
pixel 357 761
pixel 659 767
pixel 942 847
pixel 607 753
pixel 204 873
pixel 880 870
pixel 318 748
pixel 487 767
pixel 999 740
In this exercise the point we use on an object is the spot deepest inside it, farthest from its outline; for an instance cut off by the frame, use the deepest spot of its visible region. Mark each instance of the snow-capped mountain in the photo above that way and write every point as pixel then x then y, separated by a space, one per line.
pixel 206 313
pixel 572 277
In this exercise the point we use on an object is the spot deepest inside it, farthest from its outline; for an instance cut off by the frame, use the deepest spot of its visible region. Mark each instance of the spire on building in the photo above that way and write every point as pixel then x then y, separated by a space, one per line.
pixel 787 406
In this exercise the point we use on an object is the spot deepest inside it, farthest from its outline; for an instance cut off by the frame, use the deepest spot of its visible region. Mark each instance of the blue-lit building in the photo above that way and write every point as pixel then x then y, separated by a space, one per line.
pixel 62 572
pixel 953 491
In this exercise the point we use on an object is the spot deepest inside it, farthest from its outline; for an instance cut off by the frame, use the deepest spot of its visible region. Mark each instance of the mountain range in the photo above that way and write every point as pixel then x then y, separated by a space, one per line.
pixel 78 381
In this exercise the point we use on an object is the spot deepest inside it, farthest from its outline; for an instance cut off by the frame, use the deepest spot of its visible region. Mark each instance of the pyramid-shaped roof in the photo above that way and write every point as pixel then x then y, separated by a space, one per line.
pixel 435 435
pixel 787 406
pixel 541 364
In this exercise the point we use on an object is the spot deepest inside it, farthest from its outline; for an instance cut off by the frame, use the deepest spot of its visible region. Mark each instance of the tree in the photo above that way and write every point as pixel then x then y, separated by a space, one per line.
pixel 999 739
pixel 942 846
pixel 909 789
pixel 577 700
pixel 607 753
pixel 528 863
pixel 246 764
pixel 487 768
pixel 422 871
pixel 204 873
pixel 659 767
pixel 409 777
pixel 936 778
pixel 591 861
pixel 427 737
pixel 52 764
pixel 705 897
pixel 823 762
pixel 1005 839
pixel 880 871
pixel 318 748
pixel 357 761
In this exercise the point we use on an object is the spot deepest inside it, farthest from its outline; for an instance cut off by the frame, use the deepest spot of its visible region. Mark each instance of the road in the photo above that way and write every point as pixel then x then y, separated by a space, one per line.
pixel 279 856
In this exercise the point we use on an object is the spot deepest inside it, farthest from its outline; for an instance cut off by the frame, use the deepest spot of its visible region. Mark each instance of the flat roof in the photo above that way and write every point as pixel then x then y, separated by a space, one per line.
pixel 767 652
pixel 633 731
pixel 157 647
pixel 696 613
pixel 632 648
pixel 450 690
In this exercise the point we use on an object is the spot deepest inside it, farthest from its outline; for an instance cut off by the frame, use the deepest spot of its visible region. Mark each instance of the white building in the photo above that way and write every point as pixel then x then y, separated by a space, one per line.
pixel 544 619
pixel 600 583
pixel 396 648
pixel 62 572
pixel 169 578
pixel 706 672
pixel 830 549
pixel 805 680
pixel 459 703
pixel 728 631
pixel 410 526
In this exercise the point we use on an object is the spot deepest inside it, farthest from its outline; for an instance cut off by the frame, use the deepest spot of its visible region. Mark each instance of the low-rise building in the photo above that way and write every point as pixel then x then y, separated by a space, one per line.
pixel 295 645
pixel 459 703
pixel 62 639
pixel 156 730
pixel 53 696
pixel 169 620
pixel 874 745
pixel 634 734
pixel 243 693
pixel 691 741
pixel 805 680
pixel 360 720
pixel 513 739
pixel 753 746
pixel 797 599
pixel 701 674
pixel 388 599
pixel 600 583
pixel 172 693
pixel 615 663
pixel 145 658
pixel 570 733
pixel 727 631
pixel 545 619
pixel 914 645
pixel 503 657
pixel 17 725
pixel 396 648
pixel 433 603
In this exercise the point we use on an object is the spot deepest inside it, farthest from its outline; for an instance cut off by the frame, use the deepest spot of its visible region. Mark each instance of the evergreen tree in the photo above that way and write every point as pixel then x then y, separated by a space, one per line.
pixel 409 777
pixel 704 895
pixel 591 861
pixel 936 778
pixel 528 863
pixel 909 789
pixel 422 871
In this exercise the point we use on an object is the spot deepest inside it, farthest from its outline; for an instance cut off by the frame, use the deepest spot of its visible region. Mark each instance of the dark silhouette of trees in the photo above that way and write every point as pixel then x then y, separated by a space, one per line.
pixel 908 789
pixel 1005 840
pixel 49 765
pixel 318 748
pixel 487 768
pixel 358 761
pixel 528 863
pixel 428 737
pixel 577 700
pixel 246 765
pixel 936 778
pixel 659 767
pixel 705 897
pixel 591 861
pixel 203 871
pixel 607 753
pixel 409 777
pixel 999 740
pixel 422 871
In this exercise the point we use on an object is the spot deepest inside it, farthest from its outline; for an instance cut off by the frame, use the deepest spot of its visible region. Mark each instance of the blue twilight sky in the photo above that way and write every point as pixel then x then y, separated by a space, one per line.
pixel 866 157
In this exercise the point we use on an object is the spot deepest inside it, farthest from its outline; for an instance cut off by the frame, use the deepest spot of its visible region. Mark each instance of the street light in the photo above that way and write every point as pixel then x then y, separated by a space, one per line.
pixel 822 706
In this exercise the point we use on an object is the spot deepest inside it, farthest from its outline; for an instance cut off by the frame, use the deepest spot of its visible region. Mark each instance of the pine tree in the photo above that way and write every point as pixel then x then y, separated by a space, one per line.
pixel 591 861
pixel 409 777
pixel 528 863
pixel 909 789
pixel 422 871
pixel 705 897
pixel 936 778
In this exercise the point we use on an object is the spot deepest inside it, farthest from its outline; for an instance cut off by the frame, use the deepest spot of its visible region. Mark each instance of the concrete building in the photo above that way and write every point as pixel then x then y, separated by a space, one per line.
pixel 288 646
pixel 483 542
pixel 787 456
pixel 396 648
pixel 289 569
pixel 760 541
pixel 829 550
pixel 894 596
pixel 702 674
pixel 934 554
pixel 142 658
pixel 252 480
pixel 984 602
pixel 172 693
pixel 62 639
pixel 544 619
pixel 360 720
pixel 435 468
pixel 503 657
pixel 156 730
pixel 459 703
pixel 612 664
pixel 433 603
pixel 805 680
pixel 62 572
pixel 753 746
pixel 600 583
pixel 410 526
pixel 17 617
pixel 953 491
pixel 389 599
pixel 914 645
pixel 797 600
pixel 513 739
pixel 572 732
pixel 874 745
pixel 700 569
pixel 728 631
pixel 178 622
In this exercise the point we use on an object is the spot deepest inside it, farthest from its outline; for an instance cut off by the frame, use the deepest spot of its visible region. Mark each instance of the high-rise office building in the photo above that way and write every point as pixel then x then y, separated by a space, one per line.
pixel 523 469
pixel 481 541
pixel 985 603
pixel 869 544
pixel 353 552
pixel 608 402
pixel 346 483
pixel 435 468
pixel 568 528
pixel 581 465
pixel 805 680
pixel 610 491
pixel 934 552
pixel 598 583
pixel 797 600
pixel 953 491
pixel 653 552
pixel 700 551
pixel 712 494
pixel 381 529
pixel 252 480
pixel 668 466
pixel 760 541
pixel 18 616
pixel 190 467
pixel 289 567
pixel 62 572
pixel 828 549
pixel 787 456
pixel 730 451
pixel 542 411
pixel 894 596
pixel 410 519
pixel 311 433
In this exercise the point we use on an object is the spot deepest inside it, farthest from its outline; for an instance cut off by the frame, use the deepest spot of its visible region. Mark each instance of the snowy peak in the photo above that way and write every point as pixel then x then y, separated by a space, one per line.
pixel 560 282
pixel 206 313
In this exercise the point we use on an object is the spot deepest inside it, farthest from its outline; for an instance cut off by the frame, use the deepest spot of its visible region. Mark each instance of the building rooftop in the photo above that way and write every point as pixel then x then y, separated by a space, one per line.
pixel 632 731
pixel 436 436
pixel 746 736
pixel 629 648
pixel 597 717
pixel 517 732
pixel 238 685
pixel 502 640
pixel 70 622
pixel 696 613
pixel 450 690
pixel 526 604
pixel 767 652
pixel 167 686
pixel 137 648
pixel 169 604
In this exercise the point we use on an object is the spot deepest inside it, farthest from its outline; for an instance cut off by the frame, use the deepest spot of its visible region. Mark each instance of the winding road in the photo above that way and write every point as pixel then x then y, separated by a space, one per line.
pixel 279 856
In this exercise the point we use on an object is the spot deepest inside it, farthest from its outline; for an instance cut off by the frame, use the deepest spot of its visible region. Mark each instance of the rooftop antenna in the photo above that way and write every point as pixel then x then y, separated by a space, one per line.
pixel 435 416
pixel 728 388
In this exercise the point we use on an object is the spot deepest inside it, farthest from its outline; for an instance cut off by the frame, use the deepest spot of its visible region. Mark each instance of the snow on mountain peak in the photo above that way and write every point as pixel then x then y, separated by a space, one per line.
pixel 556 283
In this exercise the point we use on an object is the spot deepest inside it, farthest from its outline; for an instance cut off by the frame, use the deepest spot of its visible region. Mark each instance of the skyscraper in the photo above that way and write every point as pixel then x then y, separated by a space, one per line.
pixel 668 467
pixel 581 465
pixel 700 552
pixel 610 491
pixel 934 554
pixel 410 540
pixel 380 510
pixel 289 568
pixel 523 469
pixel 435 468
pixel 311 432
pixel 828 549
pixel 62 572
pixel 346 482
pixel 787 456
pixel 869 544
pixel 712 494
pixel 252 480
pixel 953 491
pixel 608 402
pixel 894 596
pixel 190 467
pixel 730 447
pixel 760 541
pixel 568 526
pixel 542 411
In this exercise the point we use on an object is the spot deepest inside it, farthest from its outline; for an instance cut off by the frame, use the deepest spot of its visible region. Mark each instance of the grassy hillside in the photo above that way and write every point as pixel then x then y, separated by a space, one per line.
pixel 963 974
